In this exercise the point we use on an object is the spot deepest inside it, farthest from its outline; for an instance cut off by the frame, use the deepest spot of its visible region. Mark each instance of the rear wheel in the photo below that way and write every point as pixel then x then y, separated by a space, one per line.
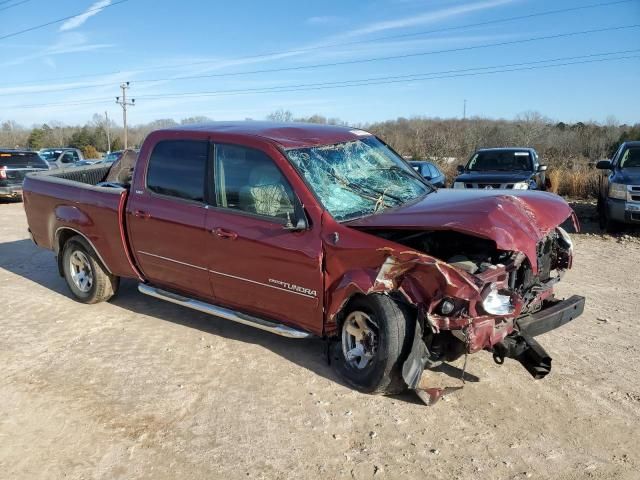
pixel 373 345
pixel 87 278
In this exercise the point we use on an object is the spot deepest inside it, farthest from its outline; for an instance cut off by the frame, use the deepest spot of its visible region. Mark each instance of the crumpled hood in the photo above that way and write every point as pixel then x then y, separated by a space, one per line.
pixel 515 221
pixel 494 177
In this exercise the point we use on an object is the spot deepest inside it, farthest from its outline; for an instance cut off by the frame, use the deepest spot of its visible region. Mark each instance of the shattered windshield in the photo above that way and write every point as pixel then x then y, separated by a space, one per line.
pixel 358 178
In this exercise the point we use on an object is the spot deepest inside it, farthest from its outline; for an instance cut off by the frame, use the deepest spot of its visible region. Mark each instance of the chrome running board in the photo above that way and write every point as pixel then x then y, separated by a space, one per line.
pixel 267 325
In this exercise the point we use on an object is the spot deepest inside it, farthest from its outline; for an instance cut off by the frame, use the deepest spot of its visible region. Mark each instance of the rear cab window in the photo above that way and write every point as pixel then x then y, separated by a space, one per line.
pixel 177 169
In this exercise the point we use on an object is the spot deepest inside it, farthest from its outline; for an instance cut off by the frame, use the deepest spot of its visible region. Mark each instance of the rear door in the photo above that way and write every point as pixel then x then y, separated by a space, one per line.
pixel 256 265
pixel 166 219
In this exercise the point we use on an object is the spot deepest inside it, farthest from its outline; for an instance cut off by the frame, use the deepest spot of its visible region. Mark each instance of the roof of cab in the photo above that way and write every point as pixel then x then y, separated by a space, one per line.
pixel 286 135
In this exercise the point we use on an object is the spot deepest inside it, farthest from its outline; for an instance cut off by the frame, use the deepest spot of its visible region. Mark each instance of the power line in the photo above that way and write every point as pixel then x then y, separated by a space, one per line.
pixel 53 22
pixel 353 42
pixel 469 72
pixel 394 57
pixel 415 34
pixel 345 62
pixel 14 5
pixel 380 80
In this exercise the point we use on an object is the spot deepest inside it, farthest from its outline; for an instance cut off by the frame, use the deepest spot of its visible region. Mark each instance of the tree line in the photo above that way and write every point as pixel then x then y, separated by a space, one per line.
pixel 442 140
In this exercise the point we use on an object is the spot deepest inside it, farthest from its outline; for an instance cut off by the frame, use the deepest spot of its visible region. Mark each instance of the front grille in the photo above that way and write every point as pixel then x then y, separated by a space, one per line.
pixel 490 186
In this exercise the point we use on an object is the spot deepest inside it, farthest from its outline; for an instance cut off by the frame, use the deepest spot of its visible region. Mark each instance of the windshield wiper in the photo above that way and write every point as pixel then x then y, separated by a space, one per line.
pixel 361 192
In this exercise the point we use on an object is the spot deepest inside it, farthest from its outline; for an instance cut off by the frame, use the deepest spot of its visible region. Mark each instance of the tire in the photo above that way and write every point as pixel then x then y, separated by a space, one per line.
pixel 605 222
pixel 92 283
pixel 392 327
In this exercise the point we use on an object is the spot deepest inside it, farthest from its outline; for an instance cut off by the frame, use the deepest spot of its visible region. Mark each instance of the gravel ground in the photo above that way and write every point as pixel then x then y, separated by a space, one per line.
pixel 138 388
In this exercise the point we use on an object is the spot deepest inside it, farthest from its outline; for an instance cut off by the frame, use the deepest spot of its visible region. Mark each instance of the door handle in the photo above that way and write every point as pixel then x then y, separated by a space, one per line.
pixel 141 214
pixel 222 233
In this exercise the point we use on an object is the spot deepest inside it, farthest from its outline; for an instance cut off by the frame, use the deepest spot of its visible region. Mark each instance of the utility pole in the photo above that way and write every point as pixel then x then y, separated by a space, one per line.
pixel 124 104
pixel 106 117
pixel 464 110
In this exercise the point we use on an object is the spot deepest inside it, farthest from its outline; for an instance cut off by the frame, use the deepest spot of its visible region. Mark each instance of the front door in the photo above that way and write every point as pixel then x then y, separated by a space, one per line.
pixel 256 265
pixel 166 220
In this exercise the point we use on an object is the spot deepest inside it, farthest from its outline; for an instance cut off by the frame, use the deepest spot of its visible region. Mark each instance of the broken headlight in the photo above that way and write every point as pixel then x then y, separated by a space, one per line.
pixel 497 304
pixel 565 239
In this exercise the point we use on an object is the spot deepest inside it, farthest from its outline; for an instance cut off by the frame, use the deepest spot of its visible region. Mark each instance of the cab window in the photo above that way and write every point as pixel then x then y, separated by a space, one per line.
pixel 177 169
pixel 67 157
pixel 248 180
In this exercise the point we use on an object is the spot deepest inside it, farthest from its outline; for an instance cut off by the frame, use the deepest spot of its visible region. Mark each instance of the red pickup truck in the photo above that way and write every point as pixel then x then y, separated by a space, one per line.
pixel 315 230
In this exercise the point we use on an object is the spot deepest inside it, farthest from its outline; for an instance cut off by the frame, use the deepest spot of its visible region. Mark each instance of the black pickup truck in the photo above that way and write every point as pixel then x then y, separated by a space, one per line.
pixel 503 168
pixel 14 165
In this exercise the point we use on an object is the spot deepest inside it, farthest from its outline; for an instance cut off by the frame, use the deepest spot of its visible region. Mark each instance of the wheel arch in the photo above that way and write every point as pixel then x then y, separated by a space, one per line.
pixel 62 235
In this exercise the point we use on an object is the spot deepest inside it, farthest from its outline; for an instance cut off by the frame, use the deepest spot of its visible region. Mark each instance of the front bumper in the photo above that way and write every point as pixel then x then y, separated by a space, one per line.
pixel 552 317
pixel 520 344
pixel 623 211
pixel 12 191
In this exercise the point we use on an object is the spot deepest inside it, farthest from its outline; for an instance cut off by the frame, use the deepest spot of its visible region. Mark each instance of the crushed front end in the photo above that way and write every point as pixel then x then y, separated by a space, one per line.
pixel 480 297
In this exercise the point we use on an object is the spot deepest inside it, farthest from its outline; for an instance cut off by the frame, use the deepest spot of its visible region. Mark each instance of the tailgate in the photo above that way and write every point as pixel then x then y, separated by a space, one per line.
pixel 16 176
pixel 58 206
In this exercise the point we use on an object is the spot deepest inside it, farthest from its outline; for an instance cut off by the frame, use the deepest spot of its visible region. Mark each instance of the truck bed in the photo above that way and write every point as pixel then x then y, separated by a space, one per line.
pixel 62 203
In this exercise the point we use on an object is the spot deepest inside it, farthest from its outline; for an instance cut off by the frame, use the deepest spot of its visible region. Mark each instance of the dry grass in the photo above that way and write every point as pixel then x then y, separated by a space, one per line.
pixel 574 183
pixel 579 181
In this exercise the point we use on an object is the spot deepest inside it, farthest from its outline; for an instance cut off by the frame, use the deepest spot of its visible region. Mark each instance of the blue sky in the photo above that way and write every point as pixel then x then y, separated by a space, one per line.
pixel 137 40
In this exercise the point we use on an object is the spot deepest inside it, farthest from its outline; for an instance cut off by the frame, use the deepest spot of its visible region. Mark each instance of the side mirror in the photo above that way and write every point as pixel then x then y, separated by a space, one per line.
pixel 298 225
pixel 542 168
pixel 604 165
pixel 460 168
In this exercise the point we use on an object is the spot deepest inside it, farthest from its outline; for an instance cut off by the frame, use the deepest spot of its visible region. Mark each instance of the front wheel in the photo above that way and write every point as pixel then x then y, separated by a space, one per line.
pixel 605 221
pixel 87 278
pixel 374 342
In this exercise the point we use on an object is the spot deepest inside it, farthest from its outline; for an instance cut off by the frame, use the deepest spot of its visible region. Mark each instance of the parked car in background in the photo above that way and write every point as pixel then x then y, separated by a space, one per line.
pixel 619 190
pixel 14 165
pixel 315 230
pixel 503 168
pixel 63 157
pixel 430 172
pixel 112 156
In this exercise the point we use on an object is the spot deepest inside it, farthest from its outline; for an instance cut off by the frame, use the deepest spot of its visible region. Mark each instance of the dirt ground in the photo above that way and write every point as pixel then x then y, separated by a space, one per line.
pixel 138 388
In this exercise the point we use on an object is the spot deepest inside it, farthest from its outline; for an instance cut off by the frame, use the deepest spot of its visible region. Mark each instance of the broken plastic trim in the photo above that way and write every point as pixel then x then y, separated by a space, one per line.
pixel 527 351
